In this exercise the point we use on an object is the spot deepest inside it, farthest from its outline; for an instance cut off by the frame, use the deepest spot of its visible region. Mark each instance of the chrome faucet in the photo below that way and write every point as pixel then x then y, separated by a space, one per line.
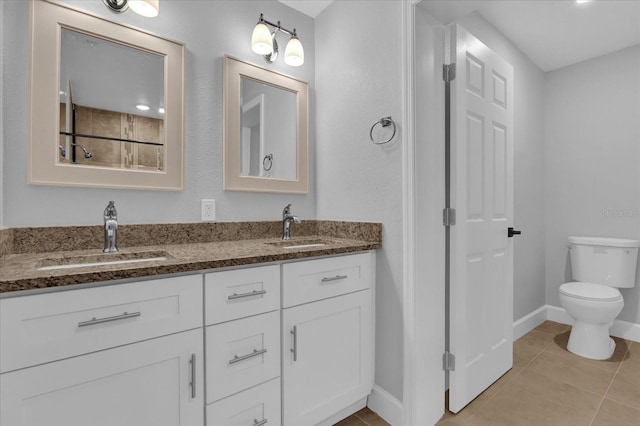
pixel 110 228
pixel 287 218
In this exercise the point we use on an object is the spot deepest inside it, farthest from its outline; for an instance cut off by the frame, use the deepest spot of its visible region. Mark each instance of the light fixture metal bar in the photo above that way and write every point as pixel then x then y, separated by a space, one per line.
pixel 277 26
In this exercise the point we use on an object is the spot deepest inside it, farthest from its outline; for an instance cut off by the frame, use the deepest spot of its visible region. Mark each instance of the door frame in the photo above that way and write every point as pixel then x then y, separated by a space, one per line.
pixel 424 258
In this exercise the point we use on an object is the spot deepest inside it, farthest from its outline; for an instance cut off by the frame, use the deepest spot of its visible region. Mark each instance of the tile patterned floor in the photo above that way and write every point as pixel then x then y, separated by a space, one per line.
pixel 364 417
pixel 550 386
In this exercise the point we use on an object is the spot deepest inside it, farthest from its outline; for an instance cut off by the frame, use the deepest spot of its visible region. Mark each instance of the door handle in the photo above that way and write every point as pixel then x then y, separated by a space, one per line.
pixel 294 349
pixel 256 352
pixel 192 384
pixel 336 278
pixel 95 321
pixel 511 232
pixel 249 294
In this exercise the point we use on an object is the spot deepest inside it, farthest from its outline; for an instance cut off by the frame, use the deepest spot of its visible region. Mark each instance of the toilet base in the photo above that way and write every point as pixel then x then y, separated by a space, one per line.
pixel 591 340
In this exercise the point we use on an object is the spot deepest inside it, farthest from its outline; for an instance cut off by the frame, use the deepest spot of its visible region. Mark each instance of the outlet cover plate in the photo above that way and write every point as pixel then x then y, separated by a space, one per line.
pixel 208 210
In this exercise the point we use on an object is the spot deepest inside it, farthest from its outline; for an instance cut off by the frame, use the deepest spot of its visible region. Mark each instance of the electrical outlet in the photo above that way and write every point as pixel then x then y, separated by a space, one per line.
pixel 208 210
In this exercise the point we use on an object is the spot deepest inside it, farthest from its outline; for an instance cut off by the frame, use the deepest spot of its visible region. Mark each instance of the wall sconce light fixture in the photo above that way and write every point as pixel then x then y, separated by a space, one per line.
pixel 264 43
pixel 148 8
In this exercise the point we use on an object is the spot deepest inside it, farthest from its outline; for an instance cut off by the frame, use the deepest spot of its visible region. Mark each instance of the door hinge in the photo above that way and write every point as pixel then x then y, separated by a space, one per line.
pixel 448 216
pixel 448 361
pixel 449 72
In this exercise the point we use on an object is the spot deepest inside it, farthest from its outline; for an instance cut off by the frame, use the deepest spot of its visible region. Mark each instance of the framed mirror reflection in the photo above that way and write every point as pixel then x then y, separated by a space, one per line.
pixel 106 103
pixel 266 130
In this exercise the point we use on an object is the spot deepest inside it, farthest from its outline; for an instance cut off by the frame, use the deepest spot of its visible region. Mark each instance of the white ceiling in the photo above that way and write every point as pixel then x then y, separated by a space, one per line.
pixel 553 33
pixel 308 7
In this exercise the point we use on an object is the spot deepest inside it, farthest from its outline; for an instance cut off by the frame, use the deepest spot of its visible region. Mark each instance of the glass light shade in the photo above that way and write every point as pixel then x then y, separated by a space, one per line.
pixel 148 8
pixel 294 53
pixel 261 41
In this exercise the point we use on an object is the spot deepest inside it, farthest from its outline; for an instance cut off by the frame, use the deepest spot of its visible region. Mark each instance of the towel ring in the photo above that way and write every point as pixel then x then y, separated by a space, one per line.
pixel 384 122
pixel 267 162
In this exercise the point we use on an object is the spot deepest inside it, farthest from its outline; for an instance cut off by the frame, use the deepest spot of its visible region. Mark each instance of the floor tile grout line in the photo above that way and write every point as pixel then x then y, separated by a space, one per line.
pixel 540 351
pixel 606 392
pixel 502 388
pixel 615 374
pixel 593 365
pixel 583 388
pixel 593 419
pixel 360 418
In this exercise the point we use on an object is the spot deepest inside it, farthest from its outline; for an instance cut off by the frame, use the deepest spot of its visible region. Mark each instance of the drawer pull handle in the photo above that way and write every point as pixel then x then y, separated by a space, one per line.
pixel 95 321
pixel 255 352
pixel 336 278
pixel 249 294
pixel 294 333
pixel 259 423
pixel 192 364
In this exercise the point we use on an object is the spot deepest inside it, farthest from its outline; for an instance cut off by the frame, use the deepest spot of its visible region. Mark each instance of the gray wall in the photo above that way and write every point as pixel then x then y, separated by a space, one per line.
pixel 592 161
pixel 209 29
pixel 529 158
pixel 358 81
pixel 3 18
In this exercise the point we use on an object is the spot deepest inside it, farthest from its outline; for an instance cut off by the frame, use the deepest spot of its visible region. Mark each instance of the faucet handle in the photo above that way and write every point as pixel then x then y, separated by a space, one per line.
pixel 286 211
pixel 110 211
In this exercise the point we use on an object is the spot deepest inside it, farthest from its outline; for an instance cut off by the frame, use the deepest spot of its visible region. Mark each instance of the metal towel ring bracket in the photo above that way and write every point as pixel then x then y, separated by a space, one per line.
pixel 267 162
pixel 384 122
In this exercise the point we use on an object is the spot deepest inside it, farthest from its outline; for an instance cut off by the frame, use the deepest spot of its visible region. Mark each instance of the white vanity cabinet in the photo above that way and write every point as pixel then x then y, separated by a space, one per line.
pixel 278 344
pixel 327 343
pixel 242 318
pixel 128 354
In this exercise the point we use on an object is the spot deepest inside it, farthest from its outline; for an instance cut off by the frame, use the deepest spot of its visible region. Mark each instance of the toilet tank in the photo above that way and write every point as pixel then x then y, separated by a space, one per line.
pixel 608 261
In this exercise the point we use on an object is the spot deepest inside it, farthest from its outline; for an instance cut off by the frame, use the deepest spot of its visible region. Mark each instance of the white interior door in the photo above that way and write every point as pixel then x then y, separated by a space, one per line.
pixel 481 256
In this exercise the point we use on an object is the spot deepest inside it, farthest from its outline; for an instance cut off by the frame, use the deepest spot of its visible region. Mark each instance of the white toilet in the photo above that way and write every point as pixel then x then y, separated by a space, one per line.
pixel 600 266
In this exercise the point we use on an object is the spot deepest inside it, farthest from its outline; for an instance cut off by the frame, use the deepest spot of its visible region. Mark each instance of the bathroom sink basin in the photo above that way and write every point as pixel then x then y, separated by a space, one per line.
pixel 301 243
pixel 105 259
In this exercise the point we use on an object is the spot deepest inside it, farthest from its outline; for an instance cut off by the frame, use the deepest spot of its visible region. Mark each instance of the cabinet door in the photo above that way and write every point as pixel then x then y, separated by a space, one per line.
pixel 327 353
pixel 155 382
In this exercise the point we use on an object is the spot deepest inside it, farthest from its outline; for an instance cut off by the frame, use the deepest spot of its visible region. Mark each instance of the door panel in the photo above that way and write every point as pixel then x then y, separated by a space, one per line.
pixel 481 256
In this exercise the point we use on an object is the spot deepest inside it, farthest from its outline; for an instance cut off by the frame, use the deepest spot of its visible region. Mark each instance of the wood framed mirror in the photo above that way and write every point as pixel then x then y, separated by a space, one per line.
pixel 106 103
pixel 266 130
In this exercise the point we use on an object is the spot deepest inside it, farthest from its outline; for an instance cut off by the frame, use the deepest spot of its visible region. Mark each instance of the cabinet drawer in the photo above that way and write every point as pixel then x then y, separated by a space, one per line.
pixel 46 327
pixel 259 405
pixel 322 278
pixel 241 293
pixel 241 354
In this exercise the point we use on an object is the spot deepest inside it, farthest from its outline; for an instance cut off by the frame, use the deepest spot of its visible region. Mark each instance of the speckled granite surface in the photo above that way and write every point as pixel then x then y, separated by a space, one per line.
pixel 187 247
pixel 6 241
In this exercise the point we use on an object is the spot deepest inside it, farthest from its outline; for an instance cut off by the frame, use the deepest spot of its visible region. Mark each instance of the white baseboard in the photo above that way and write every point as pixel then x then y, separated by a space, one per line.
pixel 529 322
pixel 626 330
pixel 623 329
pixel 385 405
pixel 557 314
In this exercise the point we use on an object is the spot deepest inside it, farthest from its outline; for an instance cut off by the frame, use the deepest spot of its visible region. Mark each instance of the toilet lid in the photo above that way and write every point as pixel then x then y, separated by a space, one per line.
pixel 590 291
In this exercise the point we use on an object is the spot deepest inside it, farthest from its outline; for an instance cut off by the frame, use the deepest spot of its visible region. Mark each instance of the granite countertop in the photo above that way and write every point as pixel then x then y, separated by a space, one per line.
pixel 21 271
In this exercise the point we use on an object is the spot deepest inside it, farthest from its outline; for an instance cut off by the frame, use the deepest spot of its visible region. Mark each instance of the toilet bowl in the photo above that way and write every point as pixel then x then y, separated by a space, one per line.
pixel 600 266
pixel 593 307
